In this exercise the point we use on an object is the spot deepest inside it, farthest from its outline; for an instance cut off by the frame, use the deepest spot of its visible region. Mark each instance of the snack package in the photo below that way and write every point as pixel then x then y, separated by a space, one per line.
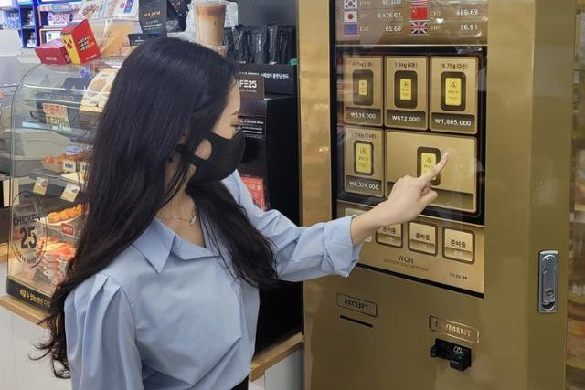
pixel 125 9
pixel 97 94
pixel 112 36
pixel 53 53
pixel 80 42
pixel 259 45
pixel 273 54
pixel 90 9
pixel 286 44
pixel 153 17
pixel 241 44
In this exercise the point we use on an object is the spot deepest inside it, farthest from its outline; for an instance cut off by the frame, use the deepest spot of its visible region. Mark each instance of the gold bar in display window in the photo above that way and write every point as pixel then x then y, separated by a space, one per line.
pixel 363 91
pixel 406 105
pixel 364 161
pixel 454 94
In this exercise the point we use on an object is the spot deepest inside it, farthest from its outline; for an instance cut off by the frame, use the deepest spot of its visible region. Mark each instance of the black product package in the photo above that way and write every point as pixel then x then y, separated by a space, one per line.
pixel 153 17
pixel 241 38
pixel 138 39
pixel 273 54
pixel 259 45
pixel 228 42
pixel 286 44
pixel 176 16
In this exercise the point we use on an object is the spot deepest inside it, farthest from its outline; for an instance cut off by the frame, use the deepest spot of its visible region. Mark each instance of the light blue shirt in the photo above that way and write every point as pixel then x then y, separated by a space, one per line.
pixel 166 314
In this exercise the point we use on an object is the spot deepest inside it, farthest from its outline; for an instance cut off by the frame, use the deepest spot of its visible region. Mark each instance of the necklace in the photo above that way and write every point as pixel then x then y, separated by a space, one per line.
pixel 191 220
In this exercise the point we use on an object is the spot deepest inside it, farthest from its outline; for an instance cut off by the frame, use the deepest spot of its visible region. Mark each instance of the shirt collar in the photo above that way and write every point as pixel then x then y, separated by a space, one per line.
pixel 155 244
pixel 158 242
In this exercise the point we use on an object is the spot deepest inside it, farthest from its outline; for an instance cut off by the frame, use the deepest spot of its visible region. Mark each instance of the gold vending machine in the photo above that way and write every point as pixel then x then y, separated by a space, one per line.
pixel 474 293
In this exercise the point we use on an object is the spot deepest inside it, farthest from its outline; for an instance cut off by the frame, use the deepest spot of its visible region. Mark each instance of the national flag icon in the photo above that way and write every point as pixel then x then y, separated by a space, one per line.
pixel 351 29
pixel 350 16
pixel 350 4
pixel 419 28
pixel 419 13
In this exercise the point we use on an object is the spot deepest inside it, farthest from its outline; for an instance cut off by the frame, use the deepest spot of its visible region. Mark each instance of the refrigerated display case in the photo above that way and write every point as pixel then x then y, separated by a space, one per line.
pixel 472 294
pixel 54 112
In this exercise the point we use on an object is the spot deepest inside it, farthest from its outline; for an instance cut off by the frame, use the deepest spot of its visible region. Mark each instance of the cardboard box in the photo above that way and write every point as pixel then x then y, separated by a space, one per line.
pixel 80 42
pixel 53 53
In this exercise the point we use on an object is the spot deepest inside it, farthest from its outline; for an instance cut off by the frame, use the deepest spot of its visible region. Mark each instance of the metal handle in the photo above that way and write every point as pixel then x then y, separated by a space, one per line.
pixel 548 280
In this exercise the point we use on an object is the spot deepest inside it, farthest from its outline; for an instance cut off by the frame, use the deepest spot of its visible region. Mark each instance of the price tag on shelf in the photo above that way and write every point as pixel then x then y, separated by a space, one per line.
pixel 84 169
pixel 67 230
pixel 41 185
pixel 57 115
pixel 70 193
pixel 69 166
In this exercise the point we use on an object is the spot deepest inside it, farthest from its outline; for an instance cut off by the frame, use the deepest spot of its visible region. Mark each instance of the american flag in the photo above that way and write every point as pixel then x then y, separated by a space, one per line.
pixel 419 28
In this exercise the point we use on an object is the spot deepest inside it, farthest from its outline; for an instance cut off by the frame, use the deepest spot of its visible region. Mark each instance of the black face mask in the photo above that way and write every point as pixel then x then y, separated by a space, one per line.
pixel 225 156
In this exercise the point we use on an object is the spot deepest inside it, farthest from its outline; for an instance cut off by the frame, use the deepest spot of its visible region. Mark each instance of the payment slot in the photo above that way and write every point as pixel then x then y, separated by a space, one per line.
pixel 363 91
pixel 406 93
pixel 411 153
pixel 429 249
pixel 454 94
pixel 364 161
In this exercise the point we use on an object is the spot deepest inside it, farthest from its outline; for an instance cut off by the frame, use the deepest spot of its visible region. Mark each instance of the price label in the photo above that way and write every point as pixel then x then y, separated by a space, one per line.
pixel 57 115
pixel 84 170
pixel 41 185
pixel 84 167
pixel 26 237
pixel 70 193
pixel 69 166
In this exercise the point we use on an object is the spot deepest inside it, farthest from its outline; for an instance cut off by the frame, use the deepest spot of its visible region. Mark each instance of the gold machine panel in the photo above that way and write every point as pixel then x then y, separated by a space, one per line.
pixel 400 110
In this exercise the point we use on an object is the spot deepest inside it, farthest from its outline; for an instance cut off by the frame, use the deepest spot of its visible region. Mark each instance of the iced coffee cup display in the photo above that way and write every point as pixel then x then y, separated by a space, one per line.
pixel 210 20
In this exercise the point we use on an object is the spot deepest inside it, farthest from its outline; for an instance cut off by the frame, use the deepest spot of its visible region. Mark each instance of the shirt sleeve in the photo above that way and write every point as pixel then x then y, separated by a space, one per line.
pixel 302 253
pixel 101 346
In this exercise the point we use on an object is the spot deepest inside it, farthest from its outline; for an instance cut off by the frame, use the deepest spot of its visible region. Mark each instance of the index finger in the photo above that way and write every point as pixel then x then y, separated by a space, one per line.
pixel 428 176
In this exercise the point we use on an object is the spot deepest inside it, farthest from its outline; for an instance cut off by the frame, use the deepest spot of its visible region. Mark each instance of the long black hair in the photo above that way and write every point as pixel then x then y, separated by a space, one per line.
pixel 163 89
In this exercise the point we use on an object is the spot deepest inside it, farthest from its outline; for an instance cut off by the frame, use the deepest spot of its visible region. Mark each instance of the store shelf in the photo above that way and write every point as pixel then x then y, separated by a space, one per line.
pixel 275 354
pixel 54 178
pixel 23 310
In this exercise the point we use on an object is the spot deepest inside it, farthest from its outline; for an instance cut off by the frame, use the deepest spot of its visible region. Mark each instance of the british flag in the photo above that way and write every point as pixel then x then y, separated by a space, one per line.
pixel 419 28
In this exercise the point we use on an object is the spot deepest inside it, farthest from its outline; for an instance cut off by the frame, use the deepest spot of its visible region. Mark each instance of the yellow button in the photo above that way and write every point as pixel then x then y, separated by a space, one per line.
pixel 363 87
pixel 422 238
pixel 453 91
pixel 363 158
pixel 458 245
pixel 390 235
pixel 405 89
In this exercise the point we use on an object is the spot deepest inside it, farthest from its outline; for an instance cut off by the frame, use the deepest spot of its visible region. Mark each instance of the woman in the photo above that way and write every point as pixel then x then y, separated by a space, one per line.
pixel 163 290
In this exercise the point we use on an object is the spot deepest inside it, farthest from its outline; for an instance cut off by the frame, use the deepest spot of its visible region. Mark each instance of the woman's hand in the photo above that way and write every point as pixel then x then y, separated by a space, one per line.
pixel 408 198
